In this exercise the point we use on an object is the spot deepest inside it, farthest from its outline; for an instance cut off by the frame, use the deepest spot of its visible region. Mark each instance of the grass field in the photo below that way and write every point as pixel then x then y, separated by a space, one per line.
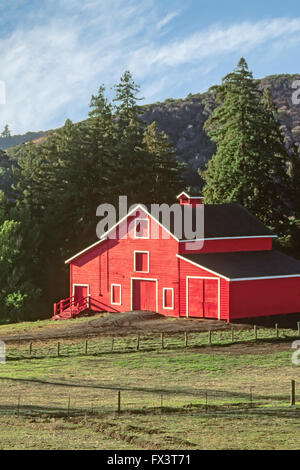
pixel 196 397
pixel 231 394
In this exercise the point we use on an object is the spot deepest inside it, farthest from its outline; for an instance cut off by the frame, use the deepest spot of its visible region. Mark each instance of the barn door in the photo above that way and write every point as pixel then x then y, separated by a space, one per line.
pixel 195 297
pixel 144 295
pixel 80 292
pixel 211 298
pixel 202 298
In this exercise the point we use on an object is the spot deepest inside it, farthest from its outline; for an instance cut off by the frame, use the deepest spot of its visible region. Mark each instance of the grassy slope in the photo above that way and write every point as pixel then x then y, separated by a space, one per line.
pixel 43 421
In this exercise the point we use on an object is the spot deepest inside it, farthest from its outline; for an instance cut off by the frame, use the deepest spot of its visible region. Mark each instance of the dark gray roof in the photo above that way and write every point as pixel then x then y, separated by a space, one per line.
pixel 244 264
pixel 224 220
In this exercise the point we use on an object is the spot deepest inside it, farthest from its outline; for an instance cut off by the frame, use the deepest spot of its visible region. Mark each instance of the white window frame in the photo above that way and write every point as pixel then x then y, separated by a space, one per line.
pixel 111 294
pixel 148 228
pixel 134 261
pixel 164 304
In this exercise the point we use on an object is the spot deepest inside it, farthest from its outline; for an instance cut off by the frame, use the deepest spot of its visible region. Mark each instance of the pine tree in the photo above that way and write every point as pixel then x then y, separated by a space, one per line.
pixel 133 177
pixel 6 132
pixel 249 166
pixel 167 171
pixel 294 174
pixel 126 95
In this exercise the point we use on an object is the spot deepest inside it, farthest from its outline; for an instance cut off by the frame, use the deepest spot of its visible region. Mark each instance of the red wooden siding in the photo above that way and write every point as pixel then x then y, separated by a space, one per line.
pixel 222 246
pixel 112 262
pixel 264 297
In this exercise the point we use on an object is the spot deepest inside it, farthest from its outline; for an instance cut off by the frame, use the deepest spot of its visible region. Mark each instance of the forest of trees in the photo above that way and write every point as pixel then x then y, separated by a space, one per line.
pixel 48 209
pixel 51 193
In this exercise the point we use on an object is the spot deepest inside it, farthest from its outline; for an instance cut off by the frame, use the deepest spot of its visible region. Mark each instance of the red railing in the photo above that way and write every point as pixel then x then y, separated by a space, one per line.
pixel 72 304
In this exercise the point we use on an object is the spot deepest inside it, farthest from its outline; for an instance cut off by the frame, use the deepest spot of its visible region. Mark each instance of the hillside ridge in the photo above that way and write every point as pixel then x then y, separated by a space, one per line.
pixel 183 121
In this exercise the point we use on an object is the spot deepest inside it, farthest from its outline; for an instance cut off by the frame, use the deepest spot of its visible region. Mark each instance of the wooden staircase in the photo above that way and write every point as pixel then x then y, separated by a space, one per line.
pixel 70 308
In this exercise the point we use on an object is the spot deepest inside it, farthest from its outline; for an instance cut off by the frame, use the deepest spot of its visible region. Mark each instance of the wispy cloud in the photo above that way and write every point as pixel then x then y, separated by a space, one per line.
pixel 53 62
pixel 167 19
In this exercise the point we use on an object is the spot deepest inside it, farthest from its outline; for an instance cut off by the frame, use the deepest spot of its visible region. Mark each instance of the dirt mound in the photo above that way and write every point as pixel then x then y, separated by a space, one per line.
pixel 118 324
pixel 126 320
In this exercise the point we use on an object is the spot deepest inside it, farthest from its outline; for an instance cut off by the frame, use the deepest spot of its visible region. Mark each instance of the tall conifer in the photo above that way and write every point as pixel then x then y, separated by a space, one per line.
pixel 249 166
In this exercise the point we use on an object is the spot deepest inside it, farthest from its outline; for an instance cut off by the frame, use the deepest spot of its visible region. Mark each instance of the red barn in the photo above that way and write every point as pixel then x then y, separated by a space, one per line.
pixel 231 273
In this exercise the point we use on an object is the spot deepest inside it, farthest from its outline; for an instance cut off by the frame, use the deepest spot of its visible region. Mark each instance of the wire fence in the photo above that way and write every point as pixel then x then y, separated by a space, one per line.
pixel 146 342
pixel 20 396
pixel 71 399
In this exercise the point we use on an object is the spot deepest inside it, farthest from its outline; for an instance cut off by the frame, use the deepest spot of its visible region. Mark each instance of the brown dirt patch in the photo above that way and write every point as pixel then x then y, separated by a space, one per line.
pixel 118 324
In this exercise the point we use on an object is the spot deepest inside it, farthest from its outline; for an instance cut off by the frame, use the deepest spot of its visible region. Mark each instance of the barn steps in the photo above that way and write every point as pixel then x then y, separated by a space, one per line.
pixel 70 308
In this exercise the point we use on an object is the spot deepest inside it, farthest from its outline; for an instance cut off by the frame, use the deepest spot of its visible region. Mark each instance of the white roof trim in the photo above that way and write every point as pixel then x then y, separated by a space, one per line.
pixel 227 238
pixel 189 197
pixel 86 249
pixel 263 277
pixel 283 276
pixel 182 194
pixel 105 235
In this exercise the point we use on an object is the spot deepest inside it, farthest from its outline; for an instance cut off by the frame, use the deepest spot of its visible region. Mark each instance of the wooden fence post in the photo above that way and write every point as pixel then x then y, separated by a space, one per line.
pixel 293 393
pixel 186 339
pixel 255 332
pixel 112 343
pixel 19 404
pixel 86 347
pixel 119 401
pixel 69 403
pixel 161 402
pixel 232 335
pixel 210 337
pixel 58 349
pixel 138 343
pixel 277 330
pixel 30 349
pixel 251 396
pixel 206 401
pixel 162 340
pixel 298 324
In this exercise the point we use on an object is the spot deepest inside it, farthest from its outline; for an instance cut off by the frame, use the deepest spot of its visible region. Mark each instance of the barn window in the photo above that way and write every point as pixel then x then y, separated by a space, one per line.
pixel 168 298
pixel 141 228
pixel 141 261
pixel 116 294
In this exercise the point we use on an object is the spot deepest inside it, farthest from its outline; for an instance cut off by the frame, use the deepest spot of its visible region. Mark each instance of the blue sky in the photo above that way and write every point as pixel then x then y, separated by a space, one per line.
pixel 55 53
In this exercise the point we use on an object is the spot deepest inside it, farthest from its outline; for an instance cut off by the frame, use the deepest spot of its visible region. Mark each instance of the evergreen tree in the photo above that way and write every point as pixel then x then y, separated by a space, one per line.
pixel 250 164
pixel 19 263
pixel 167 171
pixel 133 171
pixel 61 182
pixel 294 174
pixel 6 132
pixel 126 95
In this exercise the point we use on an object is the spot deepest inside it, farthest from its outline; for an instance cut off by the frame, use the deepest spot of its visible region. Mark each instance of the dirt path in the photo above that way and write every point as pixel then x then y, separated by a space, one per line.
pixel 120 324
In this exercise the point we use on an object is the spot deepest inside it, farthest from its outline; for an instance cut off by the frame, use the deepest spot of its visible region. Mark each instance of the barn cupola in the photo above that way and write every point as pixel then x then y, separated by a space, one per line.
pixel 186 200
